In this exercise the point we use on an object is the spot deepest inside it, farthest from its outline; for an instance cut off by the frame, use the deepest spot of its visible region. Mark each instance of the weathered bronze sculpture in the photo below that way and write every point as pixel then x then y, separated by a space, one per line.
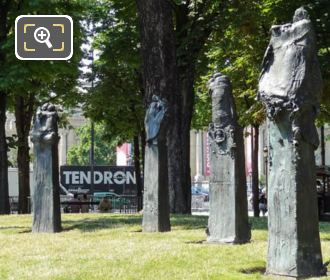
pixel 290 87
pixel 45 189
pixel 156 216
pixel 228 220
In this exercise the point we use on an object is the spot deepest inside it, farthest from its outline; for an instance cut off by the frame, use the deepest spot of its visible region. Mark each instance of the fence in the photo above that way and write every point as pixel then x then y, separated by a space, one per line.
pixel 119 204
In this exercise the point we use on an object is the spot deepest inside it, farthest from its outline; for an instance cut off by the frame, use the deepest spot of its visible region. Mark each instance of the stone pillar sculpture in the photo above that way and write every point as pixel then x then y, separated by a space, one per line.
pixel 290 87
pixel 156 214
pixel 228 220
pixel 45 191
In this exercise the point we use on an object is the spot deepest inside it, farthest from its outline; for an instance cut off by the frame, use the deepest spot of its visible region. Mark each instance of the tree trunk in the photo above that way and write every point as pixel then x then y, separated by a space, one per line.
pixel 23 162
pixel 143 146
pixel 175 163
pixel 157 50
pixel 24 109
pixel 322 146
pixel 159 78
pixel 179 144
pixel 255 172
pixel 191 37
pixel 4 193
pixel 137 164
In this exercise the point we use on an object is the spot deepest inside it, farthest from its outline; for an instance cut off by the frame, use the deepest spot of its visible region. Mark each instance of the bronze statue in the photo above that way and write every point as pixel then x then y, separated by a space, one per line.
pixel 45 188
pixel 290 87
pixel 156 215
pixel 228 219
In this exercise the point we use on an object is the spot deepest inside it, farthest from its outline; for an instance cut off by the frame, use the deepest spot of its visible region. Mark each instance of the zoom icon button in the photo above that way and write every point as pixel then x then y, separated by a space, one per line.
pixel 47 37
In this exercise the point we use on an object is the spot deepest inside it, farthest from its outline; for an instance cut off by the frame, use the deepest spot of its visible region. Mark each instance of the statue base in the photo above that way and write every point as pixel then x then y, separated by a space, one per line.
pixel 156 214
pixel 228 219
pixel 294 247
pixel 45 190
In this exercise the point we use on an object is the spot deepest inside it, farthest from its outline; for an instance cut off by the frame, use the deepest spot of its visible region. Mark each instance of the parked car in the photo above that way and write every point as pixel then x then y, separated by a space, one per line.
pixel 117 201
pixel 199 191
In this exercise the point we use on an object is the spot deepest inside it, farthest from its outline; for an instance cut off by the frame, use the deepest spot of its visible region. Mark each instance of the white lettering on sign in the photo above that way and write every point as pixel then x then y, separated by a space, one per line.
pixel 100 177
pixel 130 177
pixel 119 177
pixel 107 177
pixel 85 178
pixel 67 176
pixel 75 177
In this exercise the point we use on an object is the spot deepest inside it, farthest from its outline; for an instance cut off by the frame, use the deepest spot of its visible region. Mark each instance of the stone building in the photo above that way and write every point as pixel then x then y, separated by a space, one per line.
pixel 199 153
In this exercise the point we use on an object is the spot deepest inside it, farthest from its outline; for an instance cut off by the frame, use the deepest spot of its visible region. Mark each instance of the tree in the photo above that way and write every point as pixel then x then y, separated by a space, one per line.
pixel 117 99
pixel 238 52
pixel 4 193
pixel 159 79
pixel 104 151
pixel 29 83
pixel 193 21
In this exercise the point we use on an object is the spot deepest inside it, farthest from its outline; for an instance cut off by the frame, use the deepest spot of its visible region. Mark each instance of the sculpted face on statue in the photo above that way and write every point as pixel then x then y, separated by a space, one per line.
pixel 216 133
pixel 45 125
pixel 224 119
pixel 154 117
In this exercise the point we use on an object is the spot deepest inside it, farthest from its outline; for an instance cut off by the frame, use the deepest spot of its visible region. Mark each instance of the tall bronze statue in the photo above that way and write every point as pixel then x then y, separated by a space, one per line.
pixel 45 190
pixel 290 87
pixel 228 220
pixel 156 211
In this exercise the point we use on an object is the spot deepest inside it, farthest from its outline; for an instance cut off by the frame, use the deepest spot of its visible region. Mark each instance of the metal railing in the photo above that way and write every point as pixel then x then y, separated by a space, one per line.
pixel 121 204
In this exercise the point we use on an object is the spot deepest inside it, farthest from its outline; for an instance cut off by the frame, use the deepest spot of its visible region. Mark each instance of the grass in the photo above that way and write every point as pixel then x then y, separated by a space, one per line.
pixel 109 246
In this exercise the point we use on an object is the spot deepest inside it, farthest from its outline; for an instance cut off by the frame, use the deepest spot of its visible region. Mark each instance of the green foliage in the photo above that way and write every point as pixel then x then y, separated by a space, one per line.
pixel 12 150
pixel 12 157
pixel 42 77
pixel 117 99
pixel 104 151
pixel 237 49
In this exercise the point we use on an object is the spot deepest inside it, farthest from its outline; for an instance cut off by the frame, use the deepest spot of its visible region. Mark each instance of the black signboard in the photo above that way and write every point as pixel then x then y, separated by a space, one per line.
pixel 117 179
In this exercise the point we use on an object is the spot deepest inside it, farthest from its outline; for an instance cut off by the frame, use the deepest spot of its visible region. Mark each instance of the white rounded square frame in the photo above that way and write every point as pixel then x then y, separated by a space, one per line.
pixel 17 39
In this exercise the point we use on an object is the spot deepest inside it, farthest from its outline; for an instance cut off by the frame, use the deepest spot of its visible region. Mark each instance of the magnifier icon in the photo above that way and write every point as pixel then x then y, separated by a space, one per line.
pixel 41 35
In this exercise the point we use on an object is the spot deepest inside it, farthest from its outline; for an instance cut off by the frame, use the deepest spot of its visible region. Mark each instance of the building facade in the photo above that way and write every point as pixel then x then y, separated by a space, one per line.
pixel 199 153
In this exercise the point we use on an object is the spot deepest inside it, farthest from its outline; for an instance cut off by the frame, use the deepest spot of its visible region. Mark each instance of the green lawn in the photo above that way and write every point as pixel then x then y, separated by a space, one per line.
pixel 108 246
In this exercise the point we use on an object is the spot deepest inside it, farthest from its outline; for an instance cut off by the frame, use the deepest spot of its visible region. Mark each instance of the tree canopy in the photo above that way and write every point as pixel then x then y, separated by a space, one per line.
pixel 104 151
pixel 238 51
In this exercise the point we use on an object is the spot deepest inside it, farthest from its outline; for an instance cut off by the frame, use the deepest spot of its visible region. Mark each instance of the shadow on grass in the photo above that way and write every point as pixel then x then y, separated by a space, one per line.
pixel 200 222
pixel 261 223
pixel 185 222
pixel 253 270
pixel 196 242
pixel 182 222
pixel 189 222
pixel 12 227
pixel 99 223
pixel 324 227
pixel 258 223
pixel 15 229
